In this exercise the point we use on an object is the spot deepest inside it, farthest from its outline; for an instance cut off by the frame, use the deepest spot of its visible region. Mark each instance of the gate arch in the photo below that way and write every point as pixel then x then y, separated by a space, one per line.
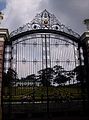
pixel 43 64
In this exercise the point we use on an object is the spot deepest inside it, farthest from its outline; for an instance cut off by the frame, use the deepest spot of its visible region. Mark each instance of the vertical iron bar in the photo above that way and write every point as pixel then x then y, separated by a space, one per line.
pixel 16 70
pixel 46 76
pixel 42 51
pixel 49 51
pixel 74 53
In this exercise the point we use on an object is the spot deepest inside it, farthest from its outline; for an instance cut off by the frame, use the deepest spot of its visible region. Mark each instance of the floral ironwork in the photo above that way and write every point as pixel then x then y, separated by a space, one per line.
pixel 44 20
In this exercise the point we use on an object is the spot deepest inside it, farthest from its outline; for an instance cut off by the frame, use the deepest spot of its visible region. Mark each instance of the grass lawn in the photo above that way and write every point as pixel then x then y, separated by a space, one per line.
pixel 56 106
pixel 70 92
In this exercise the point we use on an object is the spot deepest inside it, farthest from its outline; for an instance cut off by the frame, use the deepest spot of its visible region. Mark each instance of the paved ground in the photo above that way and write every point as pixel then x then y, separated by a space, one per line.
pixel 57 111
pixel 64 118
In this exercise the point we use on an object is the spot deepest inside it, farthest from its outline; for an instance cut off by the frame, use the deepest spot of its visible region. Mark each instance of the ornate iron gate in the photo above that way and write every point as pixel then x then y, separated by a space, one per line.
pixel 42 70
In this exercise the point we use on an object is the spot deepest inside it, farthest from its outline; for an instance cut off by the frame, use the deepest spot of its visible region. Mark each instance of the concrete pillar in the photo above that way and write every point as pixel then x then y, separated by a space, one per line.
pixel 4 36
pixel 85 45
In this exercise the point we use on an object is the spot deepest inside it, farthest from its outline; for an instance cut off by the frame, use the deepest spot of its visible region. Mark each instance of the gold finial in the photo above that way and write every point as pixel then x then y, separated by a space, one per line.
pixel 86 22
pixel 1 17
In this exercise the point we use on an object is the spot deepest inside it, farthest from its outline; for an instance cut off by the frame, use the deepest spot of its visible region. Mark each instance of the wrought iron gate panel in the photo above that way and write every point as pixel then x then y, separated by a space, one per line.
pixel 32 50
pixel 30 55
pixel 29 52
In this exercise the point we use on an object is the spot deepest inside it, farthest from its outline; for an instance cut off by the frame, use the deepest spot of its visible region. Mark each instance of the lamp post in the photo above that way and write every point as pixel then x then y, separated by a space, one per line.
pixel 86 22
pixel 1 17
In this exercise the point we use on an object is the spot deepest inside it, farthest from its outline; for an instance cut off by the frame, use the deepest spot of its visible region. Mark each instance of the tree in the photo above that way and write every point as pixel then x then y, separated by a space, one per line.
pixel 46 76
pixel 80 73
pixel 5 80
pixel 31 78
pixel 9 77
pixel 61 75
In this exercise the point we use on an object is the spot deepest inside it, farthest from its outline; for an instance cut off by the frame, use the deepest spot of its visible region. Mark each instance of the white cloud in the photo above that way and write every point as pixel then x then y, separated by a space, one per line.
pixel 80 4
pixel 71 12
pixel 19 12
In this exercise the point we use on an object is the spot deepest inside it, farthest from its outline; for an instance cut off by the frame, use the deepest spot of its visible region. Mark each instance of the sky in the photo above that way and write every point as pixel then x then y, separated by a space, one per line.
pixel 2 4
pixel 69 12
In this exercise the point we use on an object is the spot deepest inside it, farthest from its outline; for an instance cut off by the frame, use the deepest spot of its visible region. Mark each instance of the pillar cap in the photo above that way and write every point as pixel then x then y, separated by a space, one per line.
pixel 4 33
pixel 84 36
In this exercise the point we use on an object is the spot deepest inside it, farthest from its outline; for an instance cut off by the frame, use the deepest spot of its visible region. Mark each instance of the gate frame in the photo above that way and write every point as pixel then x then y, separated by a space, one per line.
pixel 83 42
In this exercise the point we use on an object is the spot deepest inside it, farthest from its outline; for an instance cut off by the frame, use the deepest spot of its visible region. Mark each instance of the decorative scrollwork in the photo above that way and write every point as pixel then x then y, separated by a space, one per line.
pixel 66 44
pixel 56 44
pixel 68 61
pixel 45 20
pixel 35 43
pixel 56 27
pixel 23 60
pixel 35 61
pixel 35 26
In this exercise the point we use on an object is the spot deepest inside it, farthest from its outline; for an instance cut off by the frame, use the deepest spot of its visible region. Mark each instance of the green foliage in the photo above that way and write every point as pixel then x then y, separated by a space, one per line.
pixel 10 76
pixel 80 73
pixel 57 74
pixel 46 76
pixel 61 75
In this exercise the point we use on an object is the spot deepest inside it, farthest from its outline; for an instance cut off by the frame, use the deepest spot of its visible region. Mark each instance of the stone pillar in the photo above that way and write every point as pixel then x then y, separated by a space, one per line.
pixel 85 45
pixel 3 37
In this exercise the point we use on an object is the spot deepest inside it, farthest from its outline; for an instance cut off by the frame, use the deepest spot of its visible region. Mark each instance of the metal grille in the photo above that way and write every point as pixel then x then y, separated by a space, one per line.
pixel 43 72
pixel 29 53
